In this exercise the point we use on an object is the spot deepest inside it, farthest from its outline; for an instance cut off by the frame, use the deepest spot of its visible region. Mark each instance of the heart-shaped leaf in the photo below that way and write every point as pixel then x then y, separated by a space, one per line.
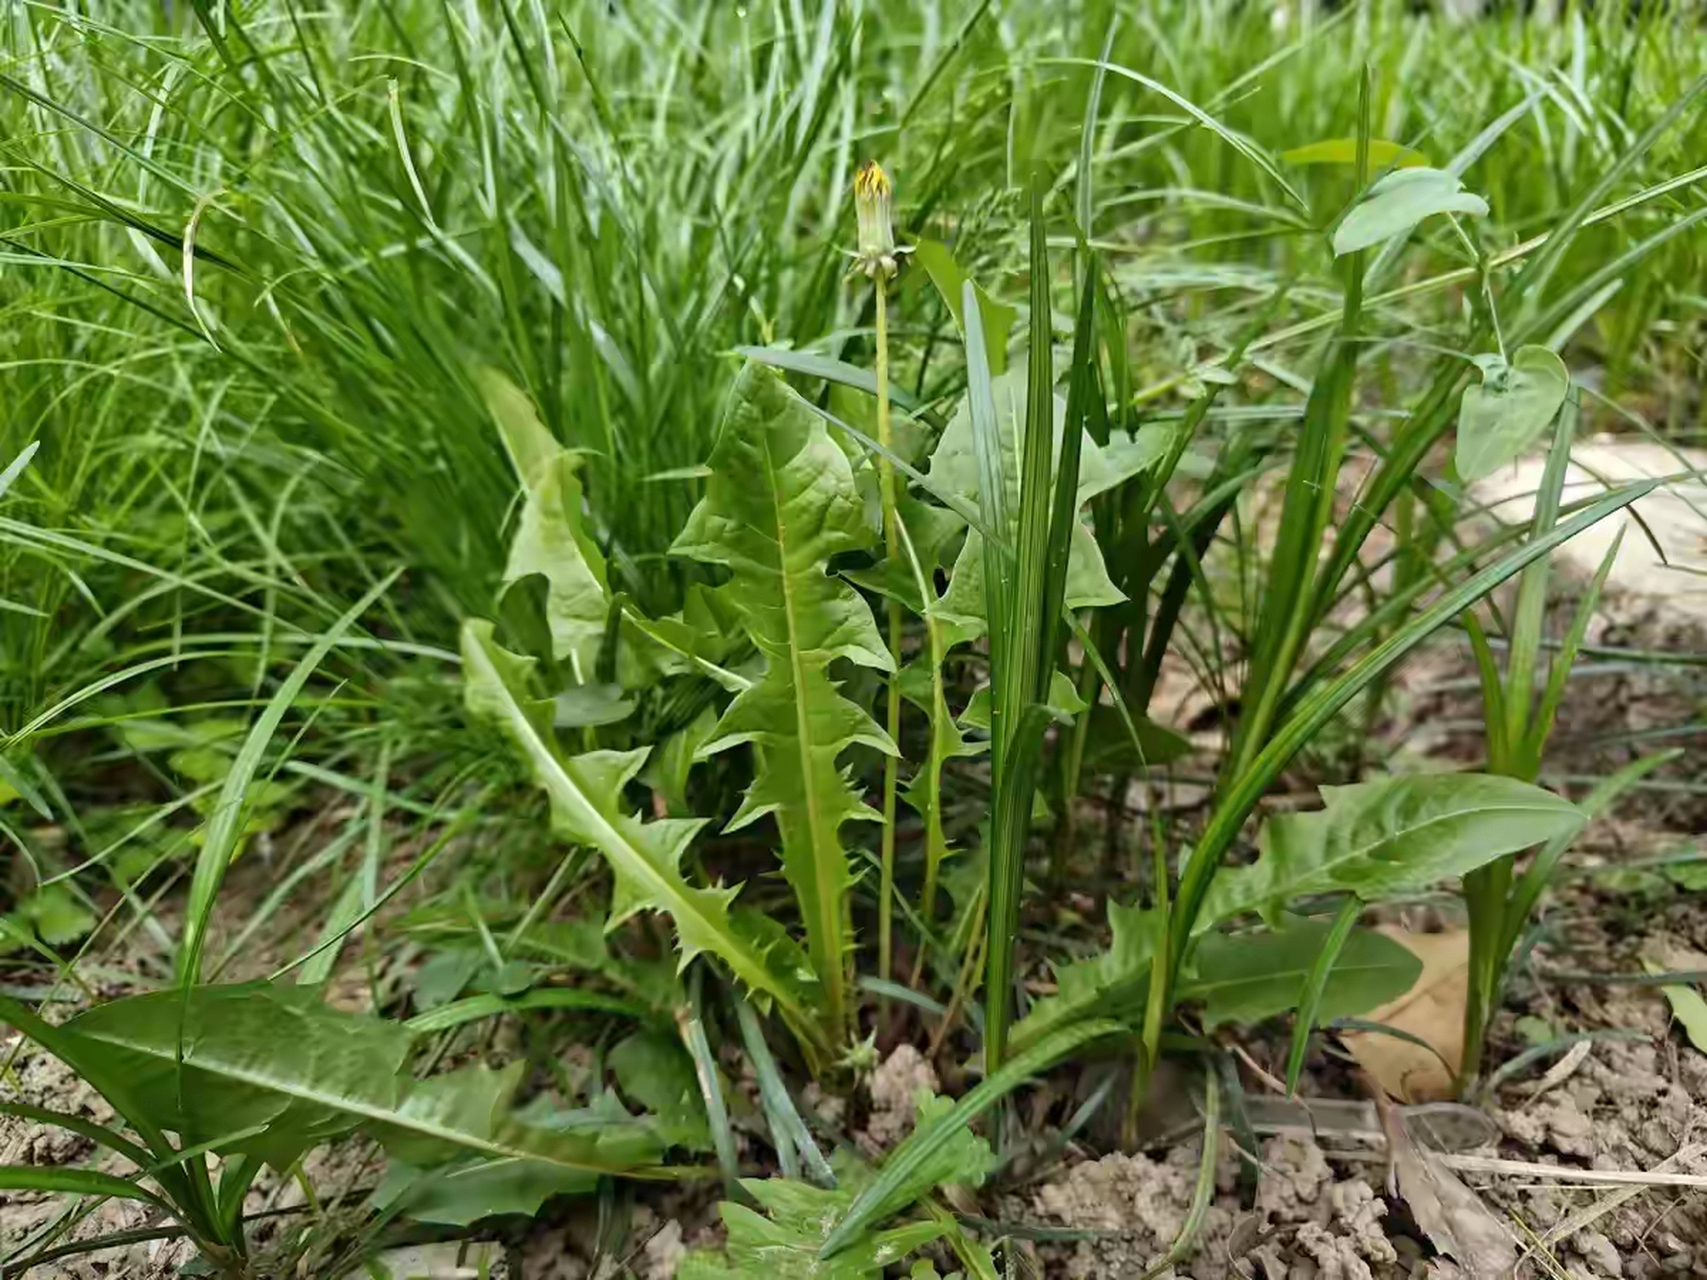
pixel 1513 404
pixel 1399 201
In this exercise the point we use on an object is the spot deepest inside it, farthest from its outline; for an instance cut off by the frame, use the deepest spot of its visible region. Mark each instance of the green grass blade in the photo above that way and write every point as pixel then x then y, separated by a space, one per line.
pixel 1526 893
pixel 473 1008
pixel 77 1182
pixel 99 1134
pixel 1028 620
pixel 225 827
pixel 1317 982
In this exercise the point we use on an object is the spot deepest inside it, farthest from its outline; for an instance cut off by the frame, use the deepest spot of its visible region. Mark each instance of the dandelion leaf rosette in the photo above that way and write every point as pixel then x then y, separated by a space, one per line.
pixel 781 1239
pixel 551 538
pixel 780 502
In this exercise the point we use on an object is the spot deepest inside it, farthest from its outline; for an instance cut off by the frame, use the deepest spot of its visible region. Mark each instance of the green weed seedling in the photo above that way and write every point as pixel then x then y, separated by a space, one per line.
pixel 1512 406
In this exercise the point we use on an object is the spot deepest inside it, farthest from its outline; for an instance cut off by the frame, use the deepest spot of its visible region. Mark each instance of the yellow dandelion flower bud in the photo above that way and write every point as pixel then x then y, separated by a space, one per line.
pixel 873 202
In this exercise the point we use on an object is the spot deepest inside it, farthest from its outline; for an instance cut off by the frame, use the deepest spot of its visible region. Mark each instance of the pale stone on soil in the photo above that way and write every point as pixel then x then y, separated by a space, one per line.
pixel 1676 515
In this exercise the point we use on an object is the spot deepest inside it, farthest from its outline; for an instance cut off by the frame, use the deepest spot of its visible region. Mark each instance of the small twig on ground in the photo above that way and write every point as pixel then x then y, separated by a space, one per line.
pixel 1561 1071
pixel 1561 1173
pixel 1268 1079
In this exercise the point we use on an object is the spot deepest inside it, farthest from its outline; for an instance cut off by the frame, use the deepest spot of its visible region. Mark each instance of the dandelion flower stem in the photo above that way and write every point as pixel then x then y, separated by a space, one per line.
pixel 891 551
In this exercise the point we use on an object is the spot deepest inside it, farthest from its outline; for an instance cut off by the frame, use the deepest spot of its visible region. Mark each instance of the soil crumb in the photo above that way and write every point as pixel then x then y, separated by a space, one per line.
pixel 894 1089
pixel 1309 1220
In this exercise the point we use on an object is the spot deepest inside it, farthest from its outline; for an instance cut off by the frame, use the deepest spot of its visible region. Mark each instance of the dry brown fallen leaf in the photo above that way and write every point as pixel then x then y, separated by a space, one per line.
pixel 1452 1216
pixel 1432 1010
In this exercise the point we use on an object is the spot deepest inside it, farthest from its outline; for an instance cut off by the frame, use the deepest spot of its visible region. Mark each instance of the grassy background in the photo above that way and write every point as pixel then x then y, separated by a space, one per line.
pixel 255 257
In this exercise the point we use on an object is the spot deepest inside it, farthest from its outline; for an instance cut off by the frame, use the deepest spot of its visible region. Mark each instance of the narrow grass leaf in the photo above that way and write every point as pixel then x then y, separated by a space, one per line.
pixel 77 1182
pixel 1310 1002
pixel 486 1005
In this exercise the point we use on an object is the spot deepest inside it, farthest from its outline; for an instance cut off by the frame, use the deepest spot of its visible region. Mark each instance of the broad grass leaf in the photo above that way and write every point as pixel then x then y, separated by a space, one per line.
pixel 780 503
pixel 1501 416
pixel 1395 835
pixel 949 279
pixel 1382 154
pixel 1110 985
pixel 1399 201
pixel 587 807
pixel 1250 977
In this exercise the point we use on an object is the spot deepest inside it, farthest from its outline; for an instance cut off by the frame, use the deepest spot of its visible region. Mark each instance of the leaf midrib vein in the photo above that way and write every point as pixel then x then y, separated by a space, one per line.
pixel 825 907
